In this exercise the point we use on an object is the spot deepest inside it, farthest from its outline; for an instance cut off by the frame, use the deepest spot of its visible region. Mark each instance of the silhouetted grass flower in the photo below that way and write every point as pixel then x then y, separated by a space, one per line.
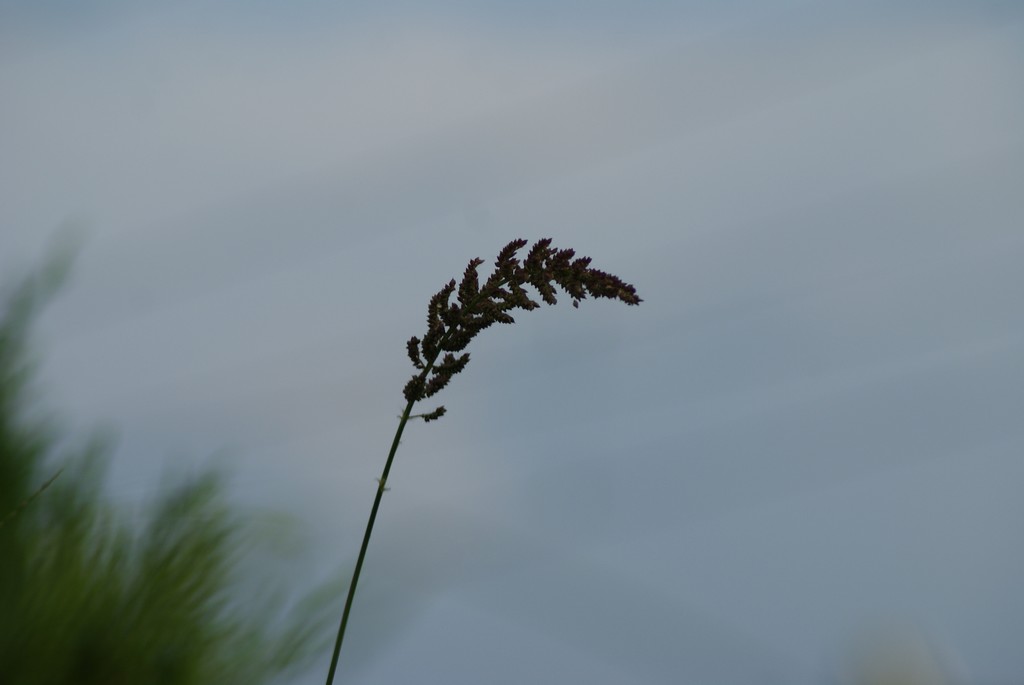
pixel 451 326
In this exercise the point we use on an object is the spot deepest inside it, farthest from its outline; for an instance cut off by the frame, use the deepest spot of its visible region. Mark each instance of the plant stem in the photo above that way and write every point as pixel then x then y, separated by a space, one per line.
pixel 14 512
pixel 381 487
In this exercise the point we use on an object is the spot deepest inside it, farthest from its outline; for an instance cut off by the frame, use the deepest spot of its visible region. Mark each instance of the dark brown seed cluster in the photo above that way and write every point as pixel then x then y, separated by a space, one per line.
pixel 451 325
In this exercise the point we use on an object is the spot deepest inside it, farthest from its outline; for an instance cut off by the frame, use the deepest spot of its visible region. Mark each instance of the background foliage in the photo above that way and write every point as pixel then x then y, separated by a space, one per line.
pixel 94 593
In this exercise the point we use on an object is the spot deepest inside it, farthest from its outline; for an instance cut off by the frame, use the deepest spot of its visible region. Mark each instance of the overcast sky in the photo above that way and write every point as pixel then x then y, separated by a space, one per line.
pixel 809 434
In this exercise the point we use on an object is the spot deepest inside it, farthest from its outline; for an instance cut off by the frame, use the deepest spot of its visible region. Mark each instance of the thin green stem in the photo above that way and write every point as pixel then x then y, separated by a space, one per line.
pixel 14 512
pixel 376 501
pixel 366 540
pixel 381 487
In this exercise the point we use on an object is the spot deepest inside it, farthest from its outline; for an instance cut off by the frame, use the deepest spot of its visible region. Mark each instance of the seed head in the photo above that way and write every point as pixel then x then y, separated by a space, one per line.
pixel 452 325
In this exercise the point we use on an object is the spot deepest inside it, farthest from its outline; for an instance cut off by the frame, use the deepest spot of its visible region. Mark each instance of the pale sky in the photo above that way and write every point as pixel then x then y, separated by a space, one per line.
pixel 809 432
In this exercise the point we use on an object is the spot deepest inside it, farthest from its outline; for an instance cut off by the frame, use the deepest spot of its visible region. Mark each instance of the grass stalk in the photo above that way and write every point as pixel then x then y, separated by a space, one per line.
pixel 450 328
pixel 28 500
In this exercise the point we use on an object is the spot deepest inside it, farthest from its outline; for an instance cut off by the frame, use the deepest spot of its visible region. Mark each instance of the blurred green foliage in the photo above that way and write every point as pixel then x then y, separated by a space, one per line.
pixel 91 594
